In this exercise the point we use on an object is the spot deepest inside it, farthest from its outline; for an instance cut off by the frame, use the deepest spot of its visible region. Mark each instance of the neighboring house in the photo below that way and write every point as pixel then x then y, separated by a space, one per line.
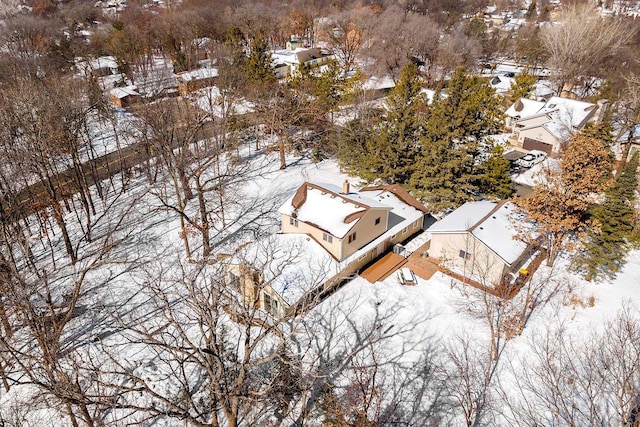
pixel 630 141
pixel 288 62
pixel 99 67
pixel 199 78
pixel 549 128
pixel 479 240
pixel 328 234
pixel 501 84
pixel 123 97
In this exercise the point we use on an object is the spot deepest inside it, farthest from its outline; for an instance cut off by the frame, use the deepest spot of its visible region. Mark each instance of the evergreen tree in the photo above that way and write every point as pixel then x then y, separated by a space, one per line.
pixel 522 87
pixel 494 180
pixel 388 150
pixel 235 41
pixel 258 64
pixel 458 125
pixel 609 243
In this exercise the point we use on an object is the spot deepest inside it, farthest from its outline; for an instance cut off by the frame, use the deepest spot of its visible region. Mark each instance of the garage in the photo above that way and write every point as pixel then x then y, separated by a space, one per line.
pixel 531 144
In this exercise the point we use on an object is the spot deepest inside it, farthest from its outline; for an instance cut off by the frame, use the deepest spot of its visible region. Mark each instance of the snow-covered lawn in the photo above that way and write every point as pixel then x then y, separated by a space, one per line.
pixel 435 312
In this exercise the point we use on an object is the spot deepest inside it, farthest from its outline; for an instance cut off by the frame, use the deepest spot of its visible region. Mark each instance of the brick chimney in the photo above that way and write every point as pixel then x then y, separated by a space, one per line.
pixel 345 187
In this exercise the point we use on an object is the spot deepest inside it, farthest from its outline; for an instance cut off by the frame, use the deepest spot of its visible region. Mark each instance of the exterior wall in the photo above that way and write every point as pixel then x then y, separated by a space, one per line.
pixel 310 299
pixel 482 265
pixel 539 134
pixel 334 248
pixel 538 120
pixel 253 291
pixel 366 231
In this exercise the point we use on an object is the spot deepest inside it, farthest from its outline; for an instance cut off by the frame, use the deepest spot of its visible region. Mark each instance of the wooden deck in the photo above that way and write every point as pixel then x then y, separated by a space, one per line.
pixel 425 267
pixel 383 268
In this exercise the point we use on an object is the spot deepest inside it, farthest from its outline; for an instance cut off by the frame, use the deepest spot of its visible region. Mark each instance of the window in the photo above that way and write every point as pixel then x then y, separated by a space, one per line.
pixel 293 221
pixel 415 224
pixel 234 281
pixel 377 220
pixel 352 237
pixel 327 237
pixel 404 230
pixel 465 255
pixel 270 305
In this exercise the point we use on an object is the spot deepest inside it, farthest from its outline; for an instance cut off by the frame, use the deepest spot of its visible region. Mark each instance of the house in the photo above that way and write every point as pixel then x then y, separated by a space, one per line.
pixel 123 97
pixel 344 221
pixel 189 81
pixel 100 67
pixel 328 233
pixel 501 84
pixel 479 240
pixel 629 142
pixel 288 62
pixel 548 126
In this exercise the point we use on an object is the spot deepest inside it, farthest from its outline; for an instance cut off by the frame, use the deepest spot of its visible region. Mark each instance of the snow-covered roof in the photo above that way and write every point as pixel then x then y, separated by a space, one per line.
pixel 292 264
pixel 102 62
pixel 524 108
pixel 498 232
pixel 493 223
pixel 564 114
pixel 327 208
pixel 463 218
pixel 198 74
pixel 123 92
pixel 501 84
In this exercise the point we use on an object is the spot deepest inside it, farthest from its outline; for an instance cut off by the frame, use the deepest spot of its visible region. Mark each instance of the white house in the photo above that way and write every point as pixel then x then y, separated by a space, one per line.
pixel 479 240
pixel 288 62
pixel 548 126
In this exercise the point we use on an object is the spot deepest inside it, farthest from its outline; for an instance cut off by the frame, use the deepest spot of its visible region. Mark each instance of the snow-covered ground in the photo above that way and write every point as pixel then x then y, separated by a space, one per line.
pixel 409 320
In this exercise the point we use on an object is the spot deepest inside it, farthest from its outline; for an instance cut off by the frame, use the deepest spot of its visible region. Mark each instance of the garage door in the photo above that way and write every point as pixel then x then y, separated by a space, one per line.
pixel 532 144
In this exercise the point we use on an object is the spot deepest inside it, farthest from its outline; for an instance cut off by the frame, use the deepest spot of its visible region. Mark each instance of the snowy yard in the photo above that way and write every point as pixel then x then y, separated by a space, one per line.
pixel 437 323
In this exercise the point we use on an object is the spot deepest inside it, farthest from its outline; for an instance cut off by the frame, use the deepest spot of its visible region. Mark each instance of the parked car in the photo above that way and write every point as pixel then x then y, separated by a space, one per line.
pixel 532 158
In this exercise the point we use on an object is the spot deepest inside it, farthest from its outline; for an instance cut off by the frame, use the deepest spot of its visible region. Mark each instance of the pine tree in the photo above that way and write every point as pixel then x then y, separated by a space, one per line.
pixel 258 64
pixel 609 243
pixel 522 87
pixel 388 150
pixel 494 180
pixel 458 125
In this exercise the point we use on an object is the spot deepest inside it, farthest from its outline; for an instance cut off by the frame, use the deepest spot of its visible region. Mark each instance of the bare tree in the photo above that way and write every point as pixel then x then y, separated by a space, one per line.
pixel 569 381
pixel 585 46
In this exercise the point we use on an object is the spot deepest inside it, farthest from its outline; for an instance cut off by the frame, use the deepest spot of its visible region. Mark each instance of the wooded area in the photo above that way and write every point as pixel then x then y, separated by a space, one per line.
pixel 118 224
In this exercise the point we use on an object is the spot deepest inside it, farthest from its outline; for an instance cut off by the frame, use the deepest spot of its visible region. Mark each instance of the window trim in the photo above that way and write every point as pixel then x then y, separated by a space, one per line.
pixel 293 221
pixel 327 237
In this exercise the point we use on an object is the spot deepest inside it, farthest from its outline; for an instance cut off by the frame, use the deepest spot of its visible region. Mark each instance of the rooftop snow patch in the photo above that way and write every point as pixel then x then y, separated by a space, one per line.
pixel 498 232
pixel 463 218
pixel 330 210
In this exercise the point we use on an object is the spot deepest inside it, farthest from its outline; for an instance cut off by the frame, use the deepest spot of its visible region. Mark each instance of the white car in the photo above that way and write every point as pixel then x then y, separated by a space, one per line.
pixel 532 158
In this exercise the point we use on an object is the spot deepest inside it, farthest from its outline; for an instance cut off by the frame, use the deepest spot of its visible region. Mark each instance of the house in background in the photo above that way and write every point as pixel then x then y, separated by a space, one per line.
pixel 548 126
pixel 328 233
pixel 199 78
pixel 123 97
pixel 289 62
pixel 479 240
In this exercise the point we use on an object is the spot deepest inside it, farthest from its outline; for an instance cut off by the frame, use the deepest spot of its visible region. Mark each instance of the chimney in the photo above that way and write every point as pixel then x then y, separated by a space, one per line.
pixel 345 187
